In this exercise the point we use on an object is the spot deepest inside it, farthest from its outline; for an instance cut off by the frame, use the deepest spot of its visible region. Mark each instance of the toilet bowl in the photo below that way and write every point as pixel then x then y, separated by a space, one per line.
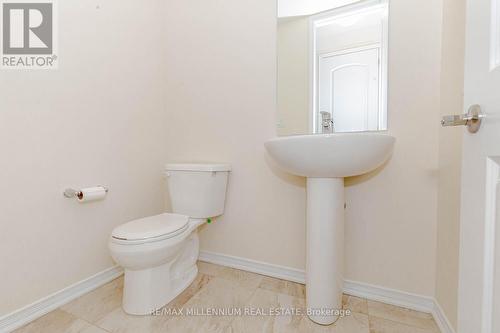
pixel 159 253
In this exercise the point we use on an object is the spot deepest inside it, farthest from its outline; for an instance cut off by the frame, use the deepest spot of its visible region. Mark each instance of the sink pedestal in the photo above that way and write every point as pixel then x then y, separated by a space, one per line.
pixel 326 160
pixel 325 248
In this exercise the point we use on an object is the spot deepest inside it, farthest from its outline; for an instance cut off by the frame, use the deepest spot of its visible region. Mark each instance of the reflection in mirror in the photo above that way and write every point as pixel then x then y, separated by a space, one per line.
pixel 332 66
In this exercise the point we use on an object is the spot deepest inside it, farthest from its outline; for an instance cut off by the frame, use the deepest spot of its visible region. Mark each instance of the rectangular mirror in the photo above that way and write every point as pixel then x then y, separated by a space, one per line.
pixel 332 66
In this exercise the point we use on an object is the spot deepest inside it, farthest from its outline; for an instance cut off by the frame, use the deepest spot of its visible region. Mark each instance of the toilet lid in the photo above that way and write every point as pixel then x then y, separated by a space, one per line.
pixel 151 227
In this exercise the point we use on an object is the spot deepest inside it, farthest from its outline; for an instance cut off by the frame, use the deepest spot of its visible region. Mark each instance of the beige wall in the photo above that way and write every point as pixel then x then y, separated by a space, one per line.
pixel 222 86
pixel 391 214
pixel 98 119
pixel 293 76
pixel 224 101
pixel 206 92
pixel 450 158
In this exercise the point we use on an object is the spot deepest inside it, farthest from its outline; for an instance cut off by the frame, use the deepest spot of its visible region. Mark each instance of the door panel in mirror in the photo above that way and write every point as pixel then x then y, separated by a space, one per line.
pixel 335 62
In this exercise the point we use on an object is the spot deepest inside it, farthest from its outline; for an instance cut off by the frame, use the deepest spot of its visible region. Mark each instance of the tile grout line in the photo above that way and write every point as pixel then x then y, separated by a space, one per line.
pixel 254 290
pixel 245 304
pixel 95 325
pixel 430 316
pixel 429 330
pixel 82 319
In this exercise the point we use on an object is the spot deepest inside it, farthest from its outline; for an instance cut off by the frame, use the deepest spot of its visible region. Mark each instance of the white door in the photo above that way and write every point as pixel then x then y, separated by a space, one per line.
pixel 479 286
pixel 348 88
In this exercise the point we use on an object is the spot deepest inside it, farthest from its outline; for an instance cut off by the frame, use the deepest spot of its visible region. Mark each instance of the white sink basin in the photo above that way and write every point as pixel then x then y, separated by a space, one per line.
pixel 331 155
pixel 325 160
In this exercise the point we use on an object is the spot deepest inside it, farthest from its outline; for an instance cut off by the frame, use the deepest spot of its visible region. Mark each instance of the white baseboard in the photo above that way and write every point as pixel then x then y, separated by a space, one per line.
pixel 389 296
pixel 421 303
pixel 41 307
pixel 441 319
pixel 375 293
pixel 263 268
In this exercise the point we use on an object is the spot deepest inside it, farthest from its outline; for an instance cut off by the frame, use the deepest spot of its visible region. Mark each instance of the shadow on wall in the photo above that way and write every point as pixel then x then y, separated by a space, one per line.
pixel 283 175
pixel 352 181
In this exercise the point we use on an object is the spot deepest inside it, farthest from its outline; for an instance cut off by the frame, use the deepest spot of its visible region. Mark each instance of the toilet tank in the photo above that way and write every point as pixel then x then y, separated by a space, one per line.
pixel 197 190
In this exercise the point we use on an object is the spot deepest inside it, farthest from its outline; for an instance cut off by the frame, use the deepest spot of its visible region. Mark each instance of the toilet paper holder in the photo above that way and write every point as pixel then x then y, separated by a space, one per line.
pixel 71 193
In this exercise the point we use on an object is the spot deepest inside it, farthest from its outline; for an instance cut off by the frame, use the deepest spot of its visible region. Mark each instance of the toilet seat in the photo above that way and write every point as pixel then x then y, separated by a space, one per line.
pixel 150 229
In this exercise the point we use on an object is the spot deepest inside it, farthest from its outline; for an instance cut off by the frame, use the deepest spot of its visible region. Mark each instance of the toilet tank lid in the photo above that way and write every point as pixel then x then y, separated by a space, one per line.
pixel 208 167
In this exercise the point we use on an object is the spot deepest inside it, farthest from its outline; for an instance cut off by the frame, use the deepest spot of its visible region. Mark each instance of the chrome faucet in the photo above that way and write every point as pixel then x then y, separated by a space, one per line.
pixel 326 122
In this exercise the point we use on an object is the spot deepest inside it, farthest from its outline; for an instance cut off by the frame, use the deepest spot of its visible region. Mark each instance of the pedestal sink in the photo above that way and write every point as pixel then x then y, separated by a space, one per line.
pixel 326 160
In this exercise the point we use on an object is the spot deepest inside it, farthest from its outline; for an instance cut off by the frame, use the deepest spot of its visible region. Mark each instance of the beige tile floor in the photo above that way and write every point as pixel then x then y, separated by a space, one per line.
pixel 219 287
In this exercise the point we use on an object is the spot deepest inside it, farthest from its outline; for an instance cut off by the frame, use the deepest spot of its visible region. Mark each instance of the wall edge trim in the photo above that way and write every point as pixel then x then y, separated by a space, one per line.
pixel 395 297
pixel 23 316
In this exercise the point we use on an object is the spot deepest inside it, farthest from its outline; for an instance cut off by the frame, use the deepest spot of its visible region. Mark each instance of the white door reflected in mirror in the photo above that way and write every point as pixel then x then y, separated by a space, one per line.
pixel 336 62
pixel 348 89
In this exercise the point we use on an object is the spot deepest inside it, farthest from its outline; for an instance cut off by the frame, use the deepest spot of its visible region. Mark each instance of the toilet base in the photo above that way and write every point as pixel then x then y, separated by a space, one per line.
pixel 148 290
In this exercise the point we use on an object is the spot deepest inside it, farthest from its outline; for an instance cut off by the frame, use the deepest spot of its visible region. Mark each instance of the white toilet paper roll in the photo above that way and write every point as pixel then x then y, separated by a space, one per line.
pixel 92 194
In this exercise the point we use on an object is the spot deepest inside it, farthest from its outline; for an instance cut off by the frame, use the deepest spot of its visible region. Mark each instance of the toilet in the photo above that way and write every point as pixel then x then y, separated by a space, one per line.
pixel 159 253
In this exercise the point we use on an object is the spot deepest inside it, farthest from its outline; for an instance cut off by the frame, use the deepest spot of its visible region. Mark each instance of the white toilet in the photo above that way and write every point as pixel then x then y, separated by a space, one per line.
pixel 159 253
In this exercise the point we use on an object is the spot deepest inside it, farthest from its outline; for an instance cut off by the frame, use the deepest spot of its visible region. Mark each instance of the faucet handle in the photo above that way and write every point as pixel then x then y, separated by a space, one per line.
pixel 326 122
pixel 326 118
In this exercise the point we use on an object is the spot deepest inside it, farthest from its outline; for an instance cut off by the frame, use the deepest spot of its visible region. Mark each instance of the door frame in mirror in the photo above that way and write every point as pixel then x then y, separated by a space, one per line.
pixel 323 18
